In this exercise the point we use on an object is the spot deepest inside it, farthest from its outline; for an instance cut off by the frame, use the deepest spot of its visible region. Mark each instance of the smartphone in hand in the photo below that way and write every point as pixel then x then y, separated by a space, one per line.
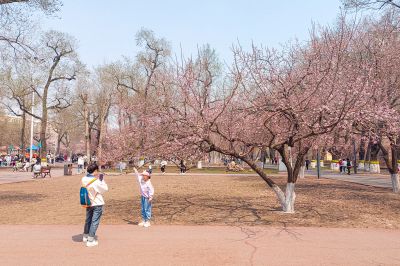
pixel 101 176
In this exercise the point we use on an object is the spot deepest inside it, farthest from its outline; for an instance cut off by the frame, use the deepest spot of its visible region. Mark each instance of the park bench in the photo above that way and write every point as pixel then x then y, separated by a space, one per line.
pixel 44 171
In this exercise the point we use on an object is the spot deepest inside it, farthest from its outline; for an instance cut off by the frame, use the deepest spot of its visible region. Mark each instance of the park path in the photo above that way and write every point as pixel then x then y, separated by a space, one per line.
pixel 376 180
pixel 198 245
pixel 8 176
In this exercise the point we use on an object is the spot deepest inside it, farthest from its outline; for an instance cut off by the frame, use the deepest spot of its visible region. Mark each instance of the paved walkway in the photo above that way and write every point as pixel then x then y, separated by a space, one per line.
pixel 198 245
pixel 376 180
pixel 8 176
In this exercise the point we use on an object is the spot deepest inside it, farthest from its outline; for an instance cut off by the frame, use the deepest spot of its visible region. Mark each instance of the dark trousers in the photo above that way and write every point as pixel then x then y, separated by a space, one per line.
pixel 93 215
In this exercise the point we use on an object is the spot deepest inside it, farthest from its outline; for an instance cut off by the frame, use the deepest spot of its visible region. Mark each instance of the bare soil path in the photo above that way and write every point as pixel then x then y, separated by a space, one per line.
pixel 198 245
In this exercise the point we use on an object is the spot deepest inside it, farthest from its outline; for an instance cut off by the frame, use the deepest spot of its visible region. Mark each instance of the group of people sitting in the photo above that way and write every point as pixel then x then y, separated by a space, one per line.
pixel 25 165
pixel 232 166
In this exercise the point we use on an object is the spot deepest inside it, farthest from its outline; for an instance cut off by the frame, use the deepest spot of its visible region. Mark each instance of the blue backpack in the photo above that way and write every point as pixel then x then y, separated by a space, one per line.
pixel 84 195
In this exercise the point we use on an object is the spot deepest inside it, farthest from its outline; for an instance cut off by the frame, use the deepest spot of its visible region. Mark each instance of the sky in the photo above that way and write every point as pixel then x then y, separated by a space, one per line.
pixel 106 29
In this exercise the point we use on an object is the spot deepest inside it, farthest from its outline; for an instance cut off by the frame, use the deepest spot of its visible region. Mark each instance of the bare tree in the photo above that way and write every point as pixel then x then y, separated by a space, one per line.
pixel 16 91
pixel 58 65
pixel 16 24
pixel 370 4
pixel 47 6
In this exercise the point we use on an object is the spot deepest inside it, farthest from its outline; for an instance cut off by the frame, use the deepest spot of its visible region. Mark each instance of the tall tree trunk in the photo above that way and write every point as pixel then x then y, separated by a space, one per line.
pixel 43 122
pixel 87 131
pixel 23 128
pixel 59 138
pixel 374 150
pixel 43 129
pixel 392 165
pixel 100 140
pixel 362 153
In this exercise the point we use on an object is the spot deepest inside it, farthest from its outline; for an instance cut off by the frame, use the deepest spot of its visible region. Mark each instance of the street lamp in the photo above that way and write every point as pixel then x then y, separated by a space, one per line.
pixel 30 149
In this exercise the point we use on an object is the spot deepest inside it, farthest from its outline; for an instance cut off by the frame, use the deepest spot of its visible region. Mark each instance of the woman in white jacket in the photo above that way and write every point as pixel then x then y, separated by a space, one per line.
pixel 95 187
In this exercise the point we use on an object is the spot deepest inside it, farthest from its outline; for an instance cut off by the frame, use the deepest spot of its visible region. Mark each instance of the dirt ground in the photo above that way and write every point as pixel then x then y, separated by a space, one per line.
pixel 204 200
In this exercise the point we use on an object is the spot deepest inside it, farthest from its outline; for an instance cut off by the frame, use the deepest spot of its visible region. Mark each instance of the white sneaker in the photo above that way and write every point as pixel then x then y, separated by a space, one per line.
pixel 84 239
pixel 147 224
pixel 92 243
pixel 141 223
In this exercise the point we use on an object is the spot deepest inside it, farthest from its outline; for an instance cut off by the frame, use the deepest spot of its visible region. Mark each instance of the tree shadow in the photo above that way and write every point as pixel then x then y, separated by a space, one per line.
pixel 20 197
pixel 130 222
pixel 196 209
pixel 77 238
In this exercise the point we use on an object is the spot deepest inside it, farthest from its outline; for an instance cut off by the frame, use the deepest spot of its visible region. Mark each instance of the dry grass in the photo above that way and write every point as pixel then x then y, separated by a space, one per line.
pixel 211 200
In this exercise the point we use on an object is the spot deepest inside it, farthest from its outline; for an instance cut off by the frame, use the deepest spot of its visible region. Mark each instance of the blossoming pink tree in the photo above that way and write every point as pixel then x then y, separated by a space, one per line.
pixel 287 101
pixel 379 43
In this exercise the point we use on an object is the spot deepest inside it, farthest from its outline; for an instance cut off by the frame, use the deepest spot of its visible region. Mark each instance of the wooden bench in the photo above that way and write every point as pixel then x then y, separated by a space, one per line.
pixel 44 171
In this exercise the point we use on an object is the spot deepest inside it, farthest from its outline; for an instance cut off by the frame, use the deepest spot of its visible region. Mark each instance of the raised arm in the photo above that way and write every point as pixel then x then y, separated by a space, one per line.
pixel 101 186
pixel 137 173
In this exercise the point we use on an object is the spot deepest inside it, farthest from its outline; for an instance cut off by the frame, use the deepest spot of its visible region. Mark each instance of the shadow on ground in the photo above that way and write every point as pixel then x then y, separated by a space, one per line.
pixel 77 238
pixel 20 197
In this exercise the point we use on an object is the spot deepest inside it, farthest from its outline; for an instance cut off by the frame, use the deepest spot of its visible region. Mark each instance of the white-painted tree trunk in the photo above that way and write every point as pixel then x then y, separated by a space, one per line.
pixel 290 198
pixel 367 167
pixel 281 166
pixel 302 169
pixel 199 165
pixel 395 183
pixel 375 168
pixel 286 200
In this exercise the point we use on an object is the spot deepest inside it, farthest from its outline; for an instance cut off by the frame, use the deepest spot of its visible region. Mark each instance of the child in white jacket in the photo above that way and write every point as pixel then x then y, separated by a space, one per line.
pixel 147 193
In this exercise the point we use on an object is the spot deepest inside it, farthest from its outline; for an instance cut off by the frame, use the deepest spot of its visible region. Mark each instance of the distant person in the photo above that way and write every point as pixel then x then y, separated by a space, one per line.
pixel 32 162
pixel 26 166
pixel 307 163
pixel 344 166
pixel 96 187
pixel 182 167
pixel 120 166
pixel 348 166
pixel 85 159
pixel 81 164
pixel 147 193
pixel 150 169
pixel 36 169
pixel 163 166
